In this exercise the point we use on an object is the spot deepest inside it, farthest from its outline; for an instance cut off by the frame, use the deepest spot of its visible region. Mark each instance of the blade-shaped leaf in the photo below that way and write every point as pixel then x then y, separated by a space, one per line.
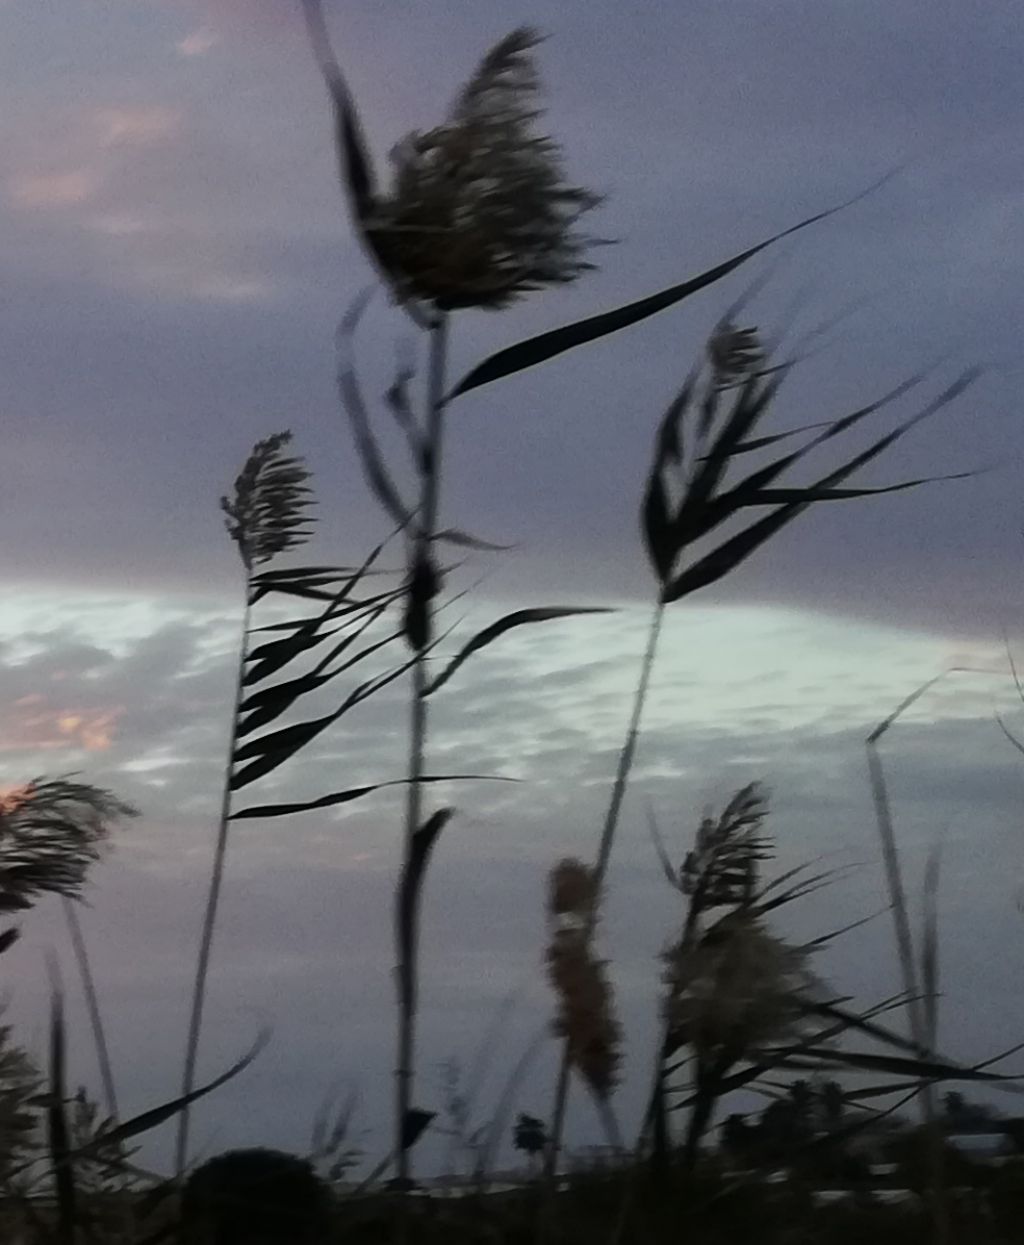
pixel 539 349
pixel 657 521
pixel 465 540
pixel 731 553
pixel 519 618
pixel 374 470
pixel 274 749
pixel 275 654
pixel 357 793
pixel 701 511
pixel 356 168
pixel 778 496
pixel 264 706
pixel 153 1118
pixel 423 842
pixel 832 1011
pixel 894 1065
pixel 415 1125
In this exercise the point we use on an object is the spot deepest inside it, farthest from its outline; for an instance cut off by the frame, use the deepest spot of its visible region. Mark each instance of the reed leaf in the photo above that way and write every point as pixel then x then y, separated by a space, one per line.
pixel 409 888
pixel 695 518
pixel 544 346
pixel 357 793
pixel 519 618
pixel 375 470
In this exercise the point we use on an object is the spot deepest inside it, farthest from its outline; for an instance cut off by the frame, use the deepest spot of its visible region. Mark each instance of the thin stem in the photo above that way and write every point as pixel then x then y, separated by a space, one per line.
pixel 897 895
pixel 611 821
pixel 908 965
pixel 92 1002
pixel 422 546
pixel 188 1079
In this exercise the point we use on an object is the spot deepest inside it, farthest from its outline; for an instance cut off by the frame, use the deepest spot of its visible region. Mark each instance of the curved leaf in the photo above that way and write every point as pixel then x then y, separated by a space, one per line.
pixel 423 842
pixel 546 346
pixel 156 1116
pixel 374 469
pixel 519 618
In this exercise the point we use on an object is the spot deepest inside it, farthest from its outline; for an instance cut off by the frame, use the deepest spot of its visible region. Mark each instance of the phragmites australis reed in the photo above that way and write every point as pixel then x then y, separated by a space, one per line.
pixel 478 213
pixel 478 216
pixel 710 429
pixel 268 513
pixel 733 987
pixel 52 830
pixel 269 509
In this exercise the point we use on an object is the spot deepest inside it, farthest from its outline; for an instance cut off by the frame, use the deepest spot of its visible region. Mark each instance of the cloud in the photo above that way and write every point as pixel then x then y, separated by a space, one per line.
pixel 305 942
pixel 198 42
pixel 53 190
pixel 137 126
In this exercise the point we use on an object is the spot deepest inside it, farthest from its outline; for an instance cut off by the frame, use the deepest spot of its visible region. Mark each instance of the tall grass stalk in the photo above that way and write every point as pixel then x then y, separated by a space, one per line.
pixel 407 923
pixel 624 766
pixel 210 911
pixel 267 514
pixel 922 1010
pixel 92 1003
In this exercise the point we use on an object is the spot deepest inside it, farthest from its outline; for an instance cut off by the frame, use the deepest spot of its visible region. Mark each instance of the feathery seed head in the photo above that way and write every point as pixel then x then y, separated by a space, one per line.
pixel 479 213
pixel 586 1016
pixel 733 353
pixel 269 511
pixel 51 831
pixel 571 890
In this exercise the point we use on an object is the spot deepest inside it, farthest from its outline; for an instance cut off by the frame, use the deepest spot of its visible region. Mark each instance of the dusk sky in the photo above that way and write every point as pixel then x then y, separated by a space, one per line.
pixel 175 258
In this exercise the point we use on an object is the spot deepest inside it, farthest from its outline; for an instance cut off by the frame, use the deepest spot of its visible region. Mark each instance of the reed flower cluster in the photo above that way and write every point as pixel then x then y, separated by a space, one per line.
pixel 585 1017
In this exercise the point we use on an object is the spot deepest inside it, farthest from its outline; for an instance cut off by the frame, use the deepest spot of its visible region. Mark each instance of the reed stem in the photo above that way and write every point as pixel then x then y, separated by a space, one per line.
pixel 625 765
pixel 422 549
pixel 92 1003
pixel 188 1080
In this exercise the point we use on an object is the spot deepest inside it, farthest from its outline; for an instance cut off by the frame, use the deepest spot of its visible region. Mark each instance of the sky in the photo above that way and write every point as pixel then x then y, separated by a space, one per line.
pixel 175 257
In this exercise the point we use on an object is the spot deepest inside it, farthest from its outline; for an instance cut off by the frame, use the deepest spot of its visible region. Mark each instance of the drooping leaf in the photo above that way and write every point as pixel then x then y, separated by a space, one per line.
pixel 274 749
pixel 264 706
pixel 356 168
pixel 374 469
pixel 8 938
pixel 519 618
pixel 539 349
pixel 275 654
pixel 156 1116
pixel 668 455
pixel 423 841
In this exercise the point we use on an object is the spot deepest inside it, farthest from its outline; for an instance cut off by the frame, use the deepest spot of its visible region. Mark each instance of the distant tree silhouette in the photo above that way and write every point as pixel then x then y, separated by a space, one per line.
pixel 530 1136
